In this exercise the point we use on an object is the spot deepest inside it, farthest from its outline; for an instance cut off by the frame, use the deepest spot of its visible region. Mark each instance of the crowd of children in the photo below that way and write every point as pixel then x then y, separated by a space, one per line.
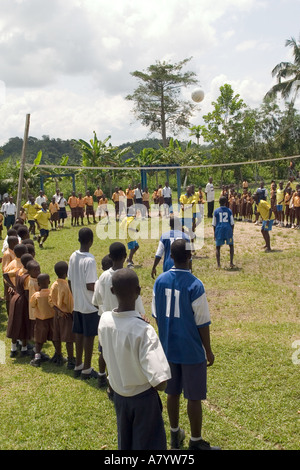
pixel 284 200
pixel 79 306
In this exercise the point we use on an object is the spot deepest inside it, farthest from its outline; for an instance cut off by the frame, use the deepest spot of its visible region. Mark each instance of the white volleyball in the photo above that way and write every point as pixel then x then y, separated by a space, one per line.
pixel 197 95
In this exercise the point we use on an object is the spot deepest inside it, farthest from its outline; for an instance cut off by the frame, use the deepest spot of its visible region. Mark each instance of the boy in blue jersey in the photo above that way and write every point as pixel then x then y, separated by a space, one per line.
pixel 164 245
pixel 223 224
pixel 181 310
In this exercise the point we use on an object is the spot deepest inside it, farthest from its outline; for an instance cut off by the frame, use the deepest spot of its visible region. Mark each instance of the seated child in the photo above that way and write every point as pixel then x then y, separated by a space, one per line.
pixel 61 299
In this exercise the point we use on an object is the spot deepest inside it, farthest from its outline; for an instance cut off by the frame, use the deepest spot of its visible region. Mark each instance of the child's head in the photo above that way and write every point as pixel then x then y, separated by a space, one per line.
pixel 20 250
pixel 180 252
pixel 222 201
pixel 23 232
pixel 85 236
pixel 43 281
pixel 25 259
pixel 61 269
pixel 12 241
pixel 12 232
pixel 175 223
pixel 117 252
pixel 106 262
pixel 125 286
pixel 31 250
pixel 33 269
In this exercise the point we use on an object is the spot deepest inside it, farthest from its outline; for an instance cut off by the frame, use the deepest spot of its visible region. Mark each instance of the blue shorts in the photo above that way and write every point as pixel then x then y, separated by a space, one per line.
pixel 132 245
pixel 279 207
pixel 44 232
pixel 187 222
pixel 191 378
pixel 267 225
pixel 85 324
pixel 221 241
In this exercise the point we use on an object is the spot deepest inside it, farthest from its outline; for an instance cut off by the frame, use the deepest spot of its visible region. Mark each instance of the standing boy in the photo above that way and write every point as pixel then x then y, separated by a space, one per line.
pixel 223 224
pixel 42 220
pixel 181 311
pixel 82 275
pixel 137 368
pixel 267 215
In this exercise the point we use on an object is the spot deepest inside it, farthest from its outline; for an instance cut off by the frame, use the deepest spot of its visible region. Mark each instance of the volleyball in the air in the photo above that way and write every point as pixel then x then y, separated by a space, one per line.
pixel 197 95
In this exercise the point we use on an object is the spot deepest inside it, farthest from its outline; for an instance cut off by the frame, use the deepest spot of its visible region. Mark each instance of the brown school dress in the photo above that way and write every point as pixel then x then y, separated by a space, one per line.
pixel 18 326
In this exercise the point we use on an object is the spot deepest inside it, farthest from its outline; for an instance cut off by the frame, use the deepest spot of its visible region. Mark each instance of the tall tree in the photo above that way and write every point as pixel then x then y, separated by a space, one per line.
pixel 157 99
pixel 287 74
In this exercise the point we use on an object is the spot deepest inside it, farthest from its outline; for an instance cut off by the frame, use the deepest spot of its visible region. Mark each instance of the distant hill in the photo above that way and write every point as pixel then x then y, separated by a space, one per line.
pixel 54 149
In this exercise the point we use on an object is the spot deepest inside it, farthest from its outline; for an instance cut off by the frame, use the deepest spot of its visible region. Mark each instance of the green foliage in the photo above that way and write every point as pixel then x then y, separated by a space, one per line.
pixel 157 101
pixel 287 74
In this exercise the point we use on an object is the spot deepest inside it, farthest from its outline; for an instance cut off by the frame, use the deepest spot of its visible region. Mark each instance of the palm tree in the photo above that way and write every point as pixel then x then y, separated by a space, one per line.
pixel 287 74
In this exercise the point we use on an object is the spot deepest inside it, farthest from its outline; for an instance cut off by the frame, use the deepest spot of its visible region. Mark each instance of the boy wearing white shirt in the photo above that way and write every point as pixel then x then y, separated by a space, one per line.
pixel 137 368
pixel 82 275
pixel 105 300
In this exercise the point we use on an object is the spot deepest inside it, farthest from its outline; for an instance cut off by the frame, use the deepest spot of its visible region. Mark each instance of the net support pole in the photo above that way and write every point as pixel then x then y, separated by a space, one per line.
pixel 22 166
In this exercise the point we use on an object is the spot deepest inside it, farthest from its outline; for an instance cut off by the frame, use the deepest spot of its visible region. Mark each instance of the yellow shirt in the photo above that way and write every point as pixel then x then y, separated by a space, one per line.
pixel 88 200
pixel 129 193
pixel 39 302
pixel 12 269
pixel 280 197
pixel 31 209
pixel 125 227
pixel 42 218
pixel 98 192
pixel 53 207
pixel 146 196
pixel 72 201
pixel 60 296
pixel 33 287
pixel 7 257
pixel 80 202
pixel 115 197
pixel 187 201
pixel 264 209
pixel 296 200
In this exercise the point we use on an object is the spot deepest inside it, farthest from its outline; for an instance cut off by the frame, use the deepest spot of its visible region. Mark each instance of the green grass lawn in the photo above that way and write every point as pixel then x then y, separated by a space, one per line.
pixel 253 398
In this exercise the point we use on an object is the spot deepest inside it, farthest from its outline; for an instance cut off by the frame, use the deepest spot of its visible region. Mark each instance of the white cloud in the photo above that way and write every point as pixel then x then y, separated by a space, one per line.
pixel 69 63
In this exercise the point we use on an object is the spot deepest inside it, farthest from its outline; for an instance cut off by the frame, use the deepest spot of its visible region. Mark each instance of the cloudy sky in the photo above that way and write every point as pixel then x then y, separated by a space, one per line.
pixel 68 63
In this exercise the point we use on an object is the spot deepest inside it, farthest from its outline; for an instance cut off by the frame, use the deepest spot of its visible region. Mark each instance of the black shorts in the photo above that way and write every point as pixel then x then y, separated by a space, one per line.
pixel 85 324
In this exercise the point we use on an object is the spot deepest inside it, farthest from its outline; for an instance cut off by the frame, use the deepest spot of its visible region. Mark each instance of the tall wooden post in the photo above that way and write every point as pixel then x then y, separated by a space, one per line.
pixel 22 166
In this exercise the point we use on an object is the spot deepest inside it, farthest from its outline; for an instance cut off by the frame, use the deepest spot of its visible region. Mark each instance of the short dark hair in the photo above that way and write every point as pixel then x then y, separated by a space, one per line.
pixel 12 241
pixel 124 282
pixel 85 235
pixel 20 250
pixel 179 251
pixel 43 279
pixel 106 262
pixel 28 241
pixel 32 264
pixel 26 258
pixel 222 200
pixel 117 251
pixel 61 268
pixel 23 231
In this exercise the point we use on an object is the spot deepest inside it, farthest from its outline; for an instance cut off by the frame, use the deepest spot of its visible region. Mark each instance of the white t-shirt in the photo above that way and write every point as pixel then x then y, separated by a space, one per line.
pixel 210 192
pixel 104 299
pixel 82 271
pixel 133 353
pixel 167 192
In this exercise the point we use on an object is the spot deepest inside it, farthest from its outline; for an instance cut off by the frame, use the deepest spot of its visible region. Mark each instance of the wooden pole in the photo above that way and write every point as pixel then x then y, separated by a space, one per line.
pixel 23 158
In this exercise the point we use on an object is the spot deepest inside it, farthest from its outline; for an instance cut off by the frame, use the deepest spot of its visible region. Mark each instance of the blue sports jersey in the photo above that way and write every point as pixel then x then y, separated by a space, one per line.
pixel 164 246
pixel 180 307
pixel 223 222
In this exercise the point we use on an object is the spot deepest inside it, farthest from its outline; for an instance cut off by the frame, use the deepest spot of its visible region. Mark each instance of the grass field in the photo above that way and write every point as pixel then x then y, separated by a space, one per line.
pixel 253 387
